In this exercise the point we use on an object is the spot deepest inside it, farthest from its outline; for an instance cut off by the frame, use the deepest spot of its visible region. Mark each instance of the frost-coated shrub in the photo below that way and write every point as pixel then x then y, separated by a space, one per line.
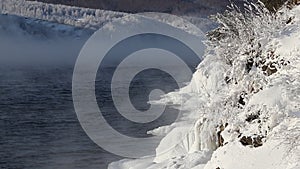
pixel 240 32
pixel 244 41
pixel 241 36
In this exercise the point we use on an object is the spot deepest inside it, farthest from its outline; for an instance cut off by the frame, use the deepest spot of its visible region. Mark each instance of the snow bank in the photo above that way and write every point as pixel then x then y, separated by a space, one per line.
pixel 241 109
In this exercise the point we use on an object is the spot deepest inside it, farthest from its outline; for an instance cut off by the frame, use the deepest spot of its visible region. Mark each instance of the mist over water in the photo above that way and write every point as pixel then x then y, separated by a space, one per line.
pixel 22 51
pixel 38 125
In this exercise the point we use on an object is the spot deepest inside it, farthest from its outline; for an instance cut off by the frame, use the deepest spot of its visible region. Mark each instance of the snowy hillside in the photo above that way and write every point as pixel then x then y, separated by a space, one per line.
pixel 242 107
pixel 92 19
pixel 79 17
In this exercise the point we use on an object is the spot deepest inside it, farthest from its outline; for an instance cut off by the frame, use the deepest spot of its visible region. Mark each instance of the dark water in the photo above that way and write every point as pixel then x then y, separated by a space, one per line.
pixel 39 128
pixel 38 125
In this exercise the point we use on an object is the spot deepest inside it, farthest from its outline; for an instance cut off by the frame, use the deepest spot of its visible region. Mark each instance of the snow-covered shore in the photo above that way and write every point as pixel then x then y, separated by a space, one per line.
pixel 243 103
pixel 243 108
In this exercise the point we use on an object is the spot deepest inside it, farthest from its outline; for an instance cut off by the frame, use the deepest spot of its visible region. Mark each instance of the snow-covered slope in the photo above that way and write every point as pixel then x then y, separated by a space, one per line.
pixel 92 19
pixel 242 107
pixel 75 16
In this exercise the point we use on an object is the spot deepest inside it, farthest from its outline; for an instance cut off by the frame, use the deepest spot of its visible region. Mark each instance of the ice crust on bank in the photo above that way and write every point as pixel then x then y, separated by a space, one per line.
pixel 208 104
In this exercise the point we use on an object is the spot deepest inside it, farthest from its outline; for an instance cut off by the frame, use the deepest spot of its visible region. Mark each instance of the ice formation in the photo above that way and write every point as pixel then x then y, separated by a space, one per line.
pixel 241 109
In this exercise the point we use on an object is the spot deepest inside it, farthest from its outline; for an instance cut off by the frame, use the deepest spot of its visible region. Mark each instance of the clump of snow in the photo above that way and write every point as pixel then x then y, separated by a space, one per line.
pixel 242 107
